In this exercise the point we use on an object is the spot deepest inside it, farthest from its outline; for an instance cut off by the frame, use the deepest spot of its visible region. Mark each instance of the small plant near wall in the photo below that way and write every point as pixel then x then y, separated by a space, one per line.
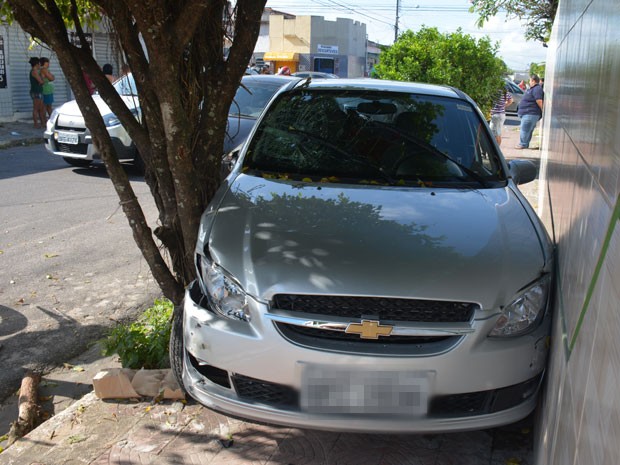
pixel 144 342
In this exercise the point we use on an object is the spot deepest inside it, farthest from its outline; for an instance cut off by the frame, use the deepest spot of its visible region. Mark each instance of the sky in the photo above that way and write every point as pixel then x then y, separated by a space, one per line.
pixel 446 15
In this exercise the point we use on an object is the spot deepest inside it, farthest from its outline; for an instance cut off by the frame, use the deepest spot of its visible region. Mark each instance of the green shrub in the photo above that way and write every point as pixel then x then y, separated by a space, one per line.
pixel 143 343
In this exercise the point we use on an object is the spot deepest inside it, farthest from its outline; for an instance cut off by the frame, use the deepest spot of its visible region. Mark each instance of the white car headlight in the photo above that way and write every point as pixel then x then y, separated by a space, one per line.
pixel 225 294
pixel 524 311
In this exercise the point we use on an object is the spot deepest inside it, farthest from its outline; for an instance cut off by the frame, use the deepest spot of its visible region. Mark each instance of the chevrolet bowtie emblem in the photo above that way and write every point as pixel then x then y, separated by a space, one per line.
pixel 369 329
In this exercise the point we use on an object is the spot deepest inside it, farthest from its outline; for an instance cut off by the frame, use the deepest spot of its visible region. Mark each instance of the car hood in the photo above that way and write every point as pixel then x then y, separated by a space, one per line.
pixel 72 109
pixel 453 244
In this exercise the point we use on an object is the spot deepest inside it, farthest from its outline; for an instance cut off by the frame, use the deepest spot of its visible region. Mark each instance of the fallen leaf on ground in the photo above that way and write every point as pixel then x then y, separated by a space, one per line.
pixel 48 383
pixel 51 255
pixel 77 438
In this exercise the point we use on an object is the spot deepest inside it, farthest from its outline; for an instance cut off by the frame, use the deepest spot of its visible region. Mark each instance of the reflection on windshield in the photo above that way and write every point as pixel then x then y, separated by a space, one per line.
pixel 375 138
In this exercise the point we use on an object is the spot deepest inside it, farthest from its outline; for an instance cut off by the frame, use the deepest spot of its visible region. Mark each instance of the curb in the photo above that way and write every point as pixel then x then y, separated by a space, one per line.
pixel 21 142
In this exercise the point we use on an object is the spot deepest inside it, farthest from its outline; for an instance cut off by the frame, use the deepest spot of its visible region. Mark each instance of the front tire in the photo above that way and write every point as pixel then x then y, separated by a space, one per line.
pixel 176 348
pixel 77 162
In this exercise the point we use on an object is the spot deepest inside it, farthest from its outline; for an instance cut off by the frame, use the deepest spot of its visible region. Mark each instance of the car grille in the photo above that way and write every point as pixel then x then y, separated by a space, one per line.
pixel 484 402
pixel 70 128
pixel 337 335
pixel 454 405
pixel 383 309
pixel 386 310
pixel 73 148
pixel 265 392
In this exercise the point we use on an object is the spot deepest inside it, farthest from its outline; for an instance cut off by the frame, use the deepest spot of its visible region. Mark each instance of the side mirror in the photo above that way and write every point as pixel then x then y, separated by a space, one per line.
pixel 229 160
pixel 522 171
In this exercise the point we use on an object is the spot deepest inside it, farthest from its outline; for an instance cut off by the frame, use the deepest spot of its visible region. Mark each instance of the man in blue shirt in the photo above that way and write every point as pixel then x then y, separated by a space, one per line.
pixel 530 111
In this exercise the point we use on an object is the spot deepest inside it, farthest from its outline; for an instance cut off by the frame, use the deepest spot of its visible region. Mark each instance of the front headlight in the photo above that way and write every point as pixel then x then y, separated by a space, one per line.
pixel 524 311
pixel 225 294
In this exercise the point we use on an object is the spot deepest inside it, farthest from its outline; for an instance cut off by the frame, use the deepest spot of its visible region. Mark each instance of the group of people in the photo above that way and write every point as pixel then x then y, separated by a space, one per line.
pixel 530 112
pixel 41 90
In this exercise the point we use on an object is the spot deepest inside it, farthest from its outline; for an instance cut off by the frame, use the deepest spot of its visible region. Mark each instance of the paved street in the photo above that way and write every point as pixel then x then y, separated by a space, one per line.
pixel 69 265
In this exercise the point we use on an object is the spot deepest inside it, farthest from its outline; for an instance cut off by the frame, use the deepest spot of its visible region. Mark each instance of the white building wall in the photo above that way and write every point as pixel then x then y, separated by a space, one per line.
pixel 580 420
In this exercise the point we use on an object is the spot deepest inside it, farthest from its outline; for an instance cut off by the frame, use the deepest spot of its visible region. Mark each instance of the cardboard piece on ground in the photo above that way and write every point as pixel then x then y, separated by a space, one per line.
pixel 123 383
pixel 115 383
pixel 147 382
pixel 171 387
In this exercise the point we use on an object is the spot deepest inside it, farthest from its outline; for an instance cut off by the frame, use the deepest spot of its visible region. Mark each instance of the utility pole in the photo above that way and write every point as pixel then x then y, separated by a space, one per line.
pixel 396 25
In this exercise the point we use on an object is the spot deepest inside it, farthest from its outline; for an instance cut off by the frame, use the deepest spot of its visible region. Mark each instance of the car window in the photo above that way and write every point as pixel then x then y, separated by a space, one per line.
pixel 126 85
pixel 373 137
pixel 252 98
pixel 515 89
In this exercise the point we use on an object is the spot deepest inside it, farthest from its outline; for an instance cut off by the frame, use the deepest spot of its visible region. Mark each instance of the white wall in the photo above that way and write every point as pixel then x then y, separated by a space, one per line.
pixel 580 421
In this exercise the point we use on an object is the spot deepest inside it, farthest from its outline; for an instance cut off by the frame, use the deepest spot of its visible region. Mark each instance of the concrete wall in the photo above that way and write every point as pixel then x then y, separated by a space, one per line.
pixel 580 420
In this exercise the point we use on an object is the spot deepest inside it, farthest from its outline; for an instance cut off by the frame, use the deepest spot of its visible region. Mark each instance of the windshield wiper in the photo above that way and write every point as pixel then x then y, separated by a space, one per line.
pixel 435 151
pixel 349 156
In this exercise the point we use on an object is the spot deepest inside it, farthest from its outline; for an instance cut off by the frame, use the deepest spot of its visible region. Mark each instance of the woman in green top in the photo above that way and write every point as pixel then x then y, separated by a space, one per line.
pixel 48 87
pixel 36 93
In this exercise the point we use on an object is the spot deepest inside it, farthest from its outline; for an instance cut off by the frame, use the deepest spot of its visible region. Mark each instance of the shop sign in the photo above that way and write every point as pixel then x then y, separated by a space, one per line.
pixel 328 49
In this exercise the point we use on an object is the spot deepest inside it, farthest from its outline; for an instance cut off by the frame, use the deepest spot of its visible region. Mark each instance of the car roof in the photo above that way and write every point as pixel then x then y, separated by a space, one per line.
pixel 384 85
pixel 271 78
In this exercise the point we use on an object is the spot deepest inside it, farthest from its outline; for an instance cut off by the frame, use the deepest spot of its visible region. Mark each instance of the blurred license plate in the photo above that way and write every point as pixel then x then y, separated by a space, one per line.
pixel 68 138
pixel 334 390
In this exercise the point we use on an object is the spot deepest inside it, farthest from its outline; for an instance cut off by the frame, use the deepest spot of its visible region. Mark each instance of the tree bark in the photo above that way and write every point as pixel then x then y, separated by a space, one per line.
pixel 28 407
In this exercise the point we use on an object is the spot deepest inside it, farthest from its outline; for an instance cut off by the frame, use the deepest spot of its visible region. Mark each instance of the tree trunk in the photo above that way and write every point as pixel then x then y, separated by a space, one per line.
pixel 28 407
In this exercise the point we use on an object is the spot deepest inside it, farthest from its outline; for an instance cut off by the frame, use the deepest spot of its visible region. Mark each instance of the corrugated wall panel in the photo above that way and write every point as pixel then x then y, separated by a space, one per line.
pixel 6 100
pixel 18 50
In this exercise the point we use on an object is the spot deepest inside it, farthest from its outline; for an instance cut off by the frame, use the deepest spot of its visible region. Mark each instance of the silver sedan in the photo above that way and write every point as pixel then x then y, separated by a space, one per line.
pixel 369 265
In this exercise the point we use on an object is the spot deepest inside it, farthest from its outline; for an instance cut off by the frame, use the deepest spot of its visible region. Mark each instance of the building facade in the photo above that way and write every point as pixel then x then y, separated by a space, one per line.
pixel 311 43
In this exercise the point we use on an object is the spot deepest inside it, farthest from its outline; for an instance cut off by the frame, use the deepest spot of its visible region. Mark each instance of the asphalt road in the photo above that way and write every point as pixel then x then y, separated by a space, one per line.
pixel 69 267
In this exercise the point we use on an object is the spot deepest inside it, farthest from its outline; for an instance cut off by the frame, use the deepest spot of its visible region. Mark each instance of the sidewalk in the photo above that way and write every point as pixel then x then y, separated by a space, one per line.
pixel 19 133
pixel 87 430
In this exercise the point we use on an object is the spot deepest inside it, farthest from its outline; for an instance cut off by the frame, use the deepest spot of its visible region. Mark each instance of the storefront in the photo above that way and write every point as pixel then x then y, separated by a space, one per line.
pixel 280 59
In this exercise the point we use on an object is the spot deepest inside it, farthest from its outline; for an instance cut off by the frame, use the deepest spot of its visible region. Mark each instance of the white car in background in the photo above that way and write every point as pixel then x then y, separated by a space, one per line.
pixel 67 136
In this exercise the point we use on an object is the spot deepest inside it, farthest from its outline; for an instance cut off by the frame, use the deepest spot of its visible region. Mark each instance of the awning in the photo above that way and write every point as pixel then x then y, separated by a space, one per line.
pixel 281 56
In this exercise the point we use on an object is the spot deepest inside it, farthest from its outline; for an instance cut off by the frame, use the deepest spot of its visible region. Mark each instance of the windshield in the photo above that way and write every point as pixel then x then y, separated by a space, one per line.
pixel 252 97
pixel 386 138
pixel 126 85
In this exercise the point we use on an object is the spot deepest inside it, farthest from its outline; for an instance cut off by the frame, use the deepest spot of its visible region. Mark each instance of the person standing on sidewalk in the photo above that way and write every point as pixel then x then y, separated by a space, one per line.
pixel 498 113
pixel 36 93
pixel 48 87
pixel 530 111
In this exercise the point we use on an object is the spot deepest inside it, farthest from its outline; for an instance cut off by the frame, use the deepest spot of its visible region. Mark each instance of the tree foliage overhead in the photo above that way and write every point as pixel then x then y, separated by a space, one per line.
pixel 538 14
pixel 187 58
pixel 453 59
